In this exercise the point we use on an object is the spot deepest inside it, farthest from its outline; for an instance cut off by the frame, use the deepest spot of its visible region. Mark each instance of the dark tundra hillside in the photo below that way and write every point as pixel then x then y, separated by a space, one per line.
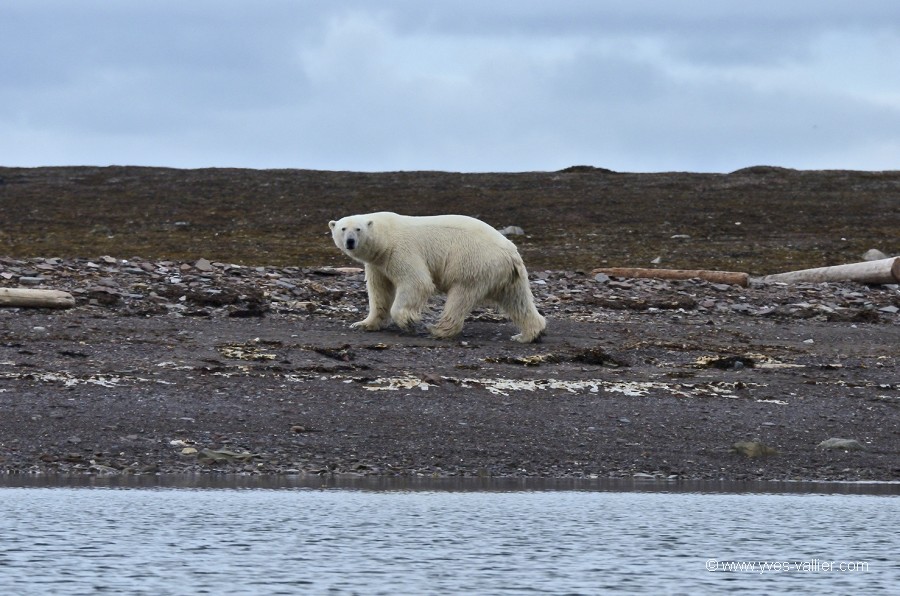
pixel 759 220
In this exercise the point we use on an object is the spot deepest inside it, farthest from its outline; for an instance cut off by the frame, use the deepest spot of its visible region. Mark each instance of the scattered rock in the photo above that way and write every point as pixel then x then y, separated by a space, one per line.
pixel 512 231
pixel 432 379
pixel 873 254
pixel 203 265
pixel 222 456
pixel 844 444
pixel 597 356
pixel 248 351
pixel 726 362
pixel 31 281
pixel 338 270
pixel 753 449
pixel 149 288
pixel 104 295
pixel 530 360
pixel 342 353
pixel 301 428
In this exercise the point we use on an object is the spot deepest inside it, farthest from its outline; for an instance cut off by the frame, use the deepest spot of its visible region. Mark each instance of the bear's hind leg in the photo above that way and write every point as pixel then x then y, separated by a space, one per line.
pixel 518 304
pixel 458 306
pixel 530 329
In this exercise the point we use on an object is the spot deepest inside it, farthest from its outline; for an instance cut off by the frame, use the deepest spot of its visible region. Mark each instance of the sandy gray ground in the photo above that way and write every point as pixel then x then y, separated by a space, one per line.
pixel 167 367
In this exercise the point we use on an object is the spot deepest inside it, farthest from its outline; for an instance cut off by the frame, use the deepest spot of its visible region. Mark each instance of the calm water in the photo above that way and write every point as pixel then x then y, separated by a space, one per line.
pixel 327 541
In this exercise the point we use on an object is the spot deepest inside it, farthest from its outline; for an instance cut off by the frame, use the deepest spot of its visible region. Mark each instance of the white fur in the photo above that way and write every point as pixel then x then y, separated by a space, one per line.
pixel 408 259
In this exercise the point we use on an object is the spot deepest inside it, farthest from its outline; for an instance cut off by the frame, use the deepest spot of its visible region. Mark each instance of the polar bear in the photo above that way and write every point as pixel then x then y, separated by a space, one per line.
pixel 408 259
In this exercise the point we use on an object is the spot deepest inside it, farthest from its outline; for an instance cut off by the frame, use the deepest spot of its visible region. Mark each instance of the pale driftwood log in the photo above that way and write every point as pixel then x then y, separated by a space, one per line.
pixel 721 277
pixel 883 271
pixel 28 298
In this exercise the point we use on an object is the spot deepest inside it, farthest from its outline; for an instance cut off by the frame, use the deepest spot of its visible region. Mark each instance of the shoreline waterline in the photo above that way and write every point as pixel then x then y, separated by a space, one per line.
pixel 421 484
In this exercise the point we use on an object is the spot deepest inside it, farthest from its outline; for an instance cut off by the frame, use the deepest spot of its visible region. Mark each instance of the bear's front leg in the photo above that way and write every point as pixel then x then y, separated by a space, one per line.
pixel 411 299
pixel 381 295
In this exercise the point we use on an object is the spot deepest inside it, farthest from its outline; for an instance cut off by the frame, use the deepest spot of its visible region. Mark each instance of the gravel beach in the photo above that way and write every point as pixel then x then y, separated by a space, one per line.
pixel 208 364
pixel 168 367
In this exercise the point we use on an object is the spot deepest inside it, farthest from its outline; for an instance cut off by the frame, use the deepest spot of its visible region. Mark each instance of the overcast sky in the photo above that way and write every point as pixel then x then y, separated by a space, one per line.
pixel 481 85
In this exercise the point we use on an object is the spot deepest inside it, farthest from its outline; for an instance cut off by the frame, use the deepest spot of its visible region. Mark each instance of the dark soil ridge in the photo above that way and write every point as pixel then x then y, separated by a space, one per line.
pixel 760 220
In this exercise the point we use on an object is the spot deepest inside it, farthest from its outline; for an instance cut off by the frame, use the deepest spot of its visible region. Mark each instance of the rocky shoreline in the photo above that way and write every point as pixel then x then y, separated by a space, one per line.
pixel 142 287
pixel 171 367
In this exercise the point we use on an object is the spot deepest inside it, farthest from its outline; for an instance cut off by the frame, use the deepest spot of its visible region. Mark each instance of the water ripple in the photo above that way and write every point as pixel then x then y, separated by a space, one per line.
pixel 88 541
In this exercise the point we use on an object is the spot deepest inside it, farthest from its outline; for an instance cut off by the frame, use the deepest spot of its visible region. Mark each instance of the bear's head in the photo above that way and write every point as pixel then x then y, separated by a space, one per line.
pixel 351 235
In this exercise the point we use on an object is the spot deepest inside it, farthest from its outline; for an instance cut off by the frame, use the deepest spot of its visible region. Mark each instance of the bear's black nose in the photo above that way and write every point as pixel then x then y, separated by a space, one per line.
pixel 351 243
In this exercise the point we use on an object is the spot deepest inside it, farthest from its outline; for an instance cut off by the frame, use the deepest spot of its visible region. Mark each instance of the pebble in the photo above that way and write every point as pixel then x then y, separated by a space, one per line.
pixel 843 444
pixel 203 265
pixel 31 281
pixel 873 254
pixel 753 449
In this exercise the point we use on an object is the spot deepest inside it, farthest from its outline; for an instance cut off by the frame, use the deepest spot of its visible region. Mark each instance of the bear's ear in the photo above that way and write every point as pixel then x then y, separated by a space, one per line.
pixel 371 221
pixel 331 224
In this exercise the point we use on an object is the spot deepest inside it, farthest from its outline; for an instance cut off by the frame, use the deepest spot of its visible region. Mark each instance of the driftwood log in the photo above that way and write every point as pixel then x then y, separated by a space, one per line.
pixel 882 271
pixel 28 298
pixel 721 277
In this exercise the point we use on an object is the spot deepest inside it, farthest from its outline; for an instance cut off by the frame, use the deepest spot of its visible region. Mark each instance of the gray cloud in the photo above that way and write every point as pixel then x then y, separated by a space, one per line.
pixel 459 85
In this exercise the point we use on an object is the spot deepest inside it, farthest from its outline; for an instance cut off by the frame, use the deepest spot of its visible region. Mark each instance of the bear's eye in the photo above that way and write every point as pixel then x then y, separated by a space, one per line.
pixel 343 229
pixel 359 229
